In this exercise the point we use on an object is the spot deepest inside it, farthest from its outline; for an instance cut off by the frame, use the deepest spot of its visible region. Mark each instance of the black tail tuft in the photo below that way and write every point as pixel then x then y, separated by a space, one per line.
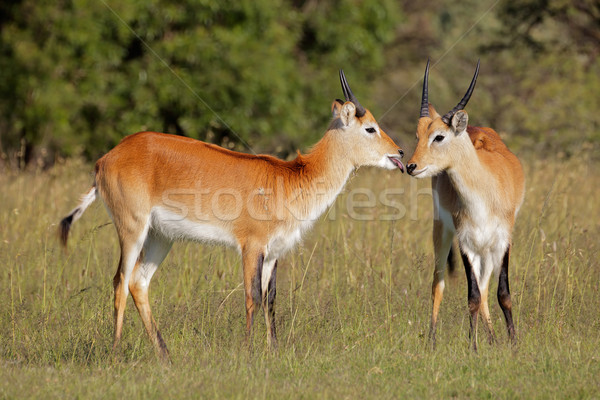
pixel 451 261
pixel 65 226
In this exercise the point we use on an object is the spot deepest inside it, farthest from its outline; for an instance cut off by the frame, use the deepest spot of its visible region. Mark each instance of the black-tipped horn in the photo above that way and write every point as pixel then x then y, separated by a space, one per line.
pixel 425 95
pixel 360 110
pixel 463 103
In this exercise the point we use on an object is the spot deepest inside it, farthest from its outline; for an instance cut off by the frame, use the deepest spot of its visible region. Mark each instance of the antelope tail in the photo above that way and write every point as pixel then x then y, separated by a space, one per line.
pixel 84 203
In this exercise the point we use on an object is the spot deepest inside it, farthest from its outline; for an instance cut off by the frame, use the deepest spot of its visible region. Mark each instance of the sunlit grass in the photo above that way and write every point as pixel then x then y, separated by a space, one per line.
pixel 352 310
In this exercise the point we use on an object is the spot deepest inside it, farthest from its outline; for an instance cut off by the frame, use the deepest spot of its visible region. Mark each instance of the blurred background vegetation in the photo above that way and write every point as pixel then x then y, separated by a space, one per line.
pixel 76 76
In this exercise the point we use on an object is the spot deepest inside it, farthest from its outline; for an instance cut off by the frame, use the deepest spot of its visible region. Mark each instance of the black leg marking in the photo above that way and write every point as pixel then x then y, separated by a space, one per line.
pixel 272 290
pixel 504 295
pixel 257 282
pixel 474 297
pixel 451 261
pixel 164 352
pixel 270 300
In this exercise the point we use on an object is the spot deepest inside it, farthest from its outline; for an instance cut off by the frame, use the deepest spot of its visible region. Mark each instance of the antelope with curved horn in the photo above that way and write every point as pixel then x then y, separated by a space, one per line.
pixel 478 187
pixel 159 188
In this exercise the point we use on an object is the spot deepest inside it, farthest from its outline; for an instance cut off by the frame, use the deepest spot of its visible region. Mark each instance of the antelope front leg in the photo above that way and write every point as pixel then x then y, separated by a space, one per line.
pixel 485 315
pixel 443 236
pixel 474 298
pixel 504 296
pixel 437 292
pixel 268 299
pixel 252 260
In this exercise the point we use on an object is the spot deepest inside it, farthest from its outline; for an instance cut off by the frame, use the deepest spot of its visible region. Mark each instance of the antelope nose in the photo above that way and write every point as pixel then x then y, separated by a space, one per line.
pixel 410 168
pixel 401 153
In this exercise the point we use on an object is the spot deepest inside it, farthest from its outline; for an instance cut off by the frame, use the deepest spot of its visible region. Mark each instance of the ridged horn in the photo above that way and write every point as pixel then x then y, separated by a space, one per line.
pixel 425 95
pixel 360 110
pixel 463 103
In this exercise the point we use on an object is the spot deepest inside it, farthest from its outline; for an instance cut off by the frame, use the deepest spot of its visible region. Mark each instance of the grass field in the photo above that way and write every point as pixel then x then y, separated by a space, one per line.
pixel 352 310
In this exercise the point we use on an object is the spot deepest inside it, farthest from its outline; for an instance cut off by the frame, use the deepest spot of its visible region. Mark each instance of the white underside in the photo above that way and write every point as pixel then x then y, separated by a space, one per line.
pixel 485 246
pixel 176 227
pixel 483 242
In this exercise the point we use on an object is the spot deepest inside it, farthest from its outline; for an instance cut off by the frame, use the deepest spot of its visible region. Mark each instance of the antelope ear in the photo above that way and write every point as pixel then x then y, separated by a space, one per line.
pixel 348 114
pixel 459 122
pixel 432 113
pixel 336 108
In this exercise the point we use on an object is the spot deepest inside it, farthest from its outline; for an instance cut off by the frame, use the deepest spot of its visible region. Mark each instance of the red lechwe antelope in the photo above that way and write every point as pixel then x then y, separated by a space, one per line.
pixel 160 188
pixel 478 187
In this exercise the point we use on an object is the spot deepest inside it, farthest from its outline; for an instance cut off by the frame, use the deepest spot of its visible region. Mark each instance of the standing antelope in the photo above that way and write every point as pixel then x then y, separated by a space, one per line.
pixel 159 188
pixel 478 188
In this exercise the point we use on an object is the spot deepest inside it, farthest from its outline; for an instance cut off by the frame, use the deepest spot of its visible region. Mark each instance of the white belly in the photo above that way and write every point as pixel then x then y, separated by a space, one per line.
pixel 485 245
pixel 177 227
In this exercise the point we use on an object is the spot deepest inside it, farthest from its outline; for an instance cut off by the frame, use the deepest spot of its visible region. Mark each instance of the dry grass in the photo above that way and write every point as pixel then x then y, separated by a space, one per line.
pixel 353 303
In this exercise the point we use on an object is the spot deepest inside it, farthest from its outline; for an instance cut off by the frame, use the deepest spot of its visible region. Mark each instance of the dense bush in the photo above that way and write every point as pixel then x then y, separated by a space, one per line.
pixel 78 75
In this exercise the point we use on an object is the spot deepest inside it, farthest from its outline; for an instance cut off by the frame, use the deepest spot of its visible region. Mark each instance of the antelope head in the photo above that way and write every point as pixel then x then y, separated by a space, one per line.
pixel 440 138
pixel 364 142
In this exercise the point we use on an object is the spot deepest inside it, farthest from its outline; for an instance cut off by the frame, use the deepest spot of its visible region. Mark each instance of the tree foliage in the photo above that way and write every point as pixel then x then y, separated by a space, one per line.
pixel 81 74
pixel 540 69
pixel 78 75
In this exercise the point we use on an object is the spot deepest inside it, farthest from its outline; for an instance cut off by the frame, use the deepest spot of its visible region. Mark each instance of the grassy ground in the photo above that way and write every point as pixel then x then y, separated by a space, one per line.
pixel 353 302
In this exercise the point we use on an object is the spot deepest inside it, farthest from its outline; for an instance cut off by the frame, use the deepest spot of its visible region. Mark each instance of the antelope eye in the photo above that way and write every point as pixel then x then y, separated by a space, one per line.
pixel 370 130
pixel 438 138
